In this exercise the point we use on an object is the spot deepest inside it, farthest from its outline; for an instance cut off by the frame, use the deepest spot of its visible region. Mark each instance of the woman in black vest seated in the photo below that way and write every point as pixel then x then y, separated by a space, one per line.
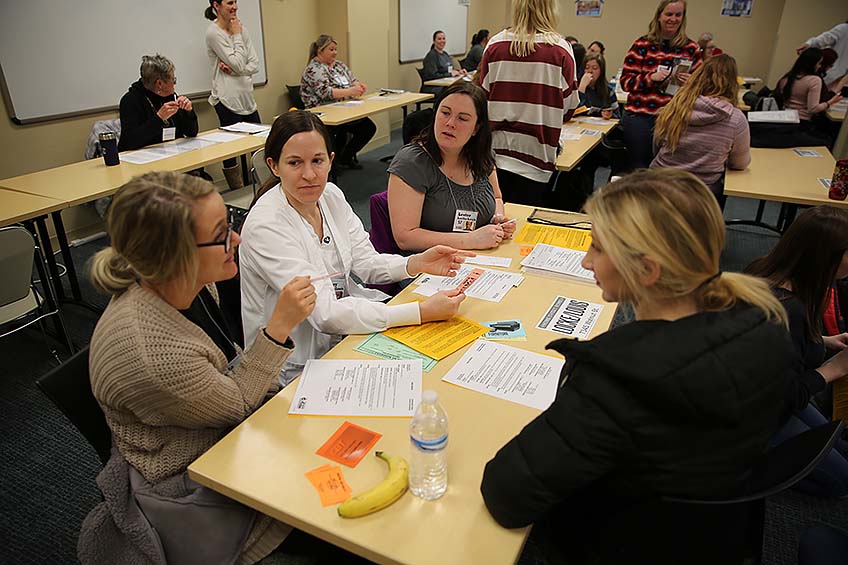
pixel 151 110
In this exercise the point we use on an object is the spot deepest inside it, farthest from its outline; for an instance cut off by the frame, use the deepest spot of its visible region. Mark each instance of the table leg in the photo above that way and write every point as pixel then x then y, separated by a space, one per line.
pixel 40 264
pixel 760 209
pixel 406 110
pixel 66 254
pixel 47 247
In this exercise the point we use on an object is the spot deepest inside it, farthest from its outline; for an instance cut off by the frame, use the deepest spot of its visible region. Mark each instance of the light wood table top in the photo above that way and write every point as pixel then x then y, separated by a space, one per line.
pixel 85 181
pixel 338 113
pixel 445 81
pixel 782 175
pixel 18 206
pixel 263 461
pixel 573 151
pixel 836 113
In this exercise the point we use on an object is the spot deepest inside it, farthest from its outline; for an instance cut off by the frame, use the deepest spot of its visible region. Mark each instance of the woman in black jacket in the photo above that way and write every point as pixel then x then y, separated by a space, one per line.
pixel 680 402
pixel 151 111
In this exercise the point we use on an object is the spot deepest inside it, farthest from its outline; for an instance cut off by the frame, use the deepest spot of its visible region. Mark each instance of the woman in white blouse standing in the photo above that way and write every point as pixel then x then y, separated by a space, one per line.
pixel 234 62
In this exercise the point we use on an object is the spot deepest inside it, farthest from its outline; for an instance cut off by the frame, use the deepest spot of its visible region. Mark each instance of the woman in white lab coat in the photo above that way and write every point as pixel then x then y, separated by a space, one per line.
pixel 302 225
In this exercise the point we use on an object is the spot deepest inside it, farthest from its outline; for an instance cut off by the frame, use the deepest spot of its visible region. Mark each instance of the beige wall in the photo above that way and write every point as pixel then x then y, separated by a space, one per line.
pixel 41 146
pixel 333 20
pixel 802 19
pixel 622 21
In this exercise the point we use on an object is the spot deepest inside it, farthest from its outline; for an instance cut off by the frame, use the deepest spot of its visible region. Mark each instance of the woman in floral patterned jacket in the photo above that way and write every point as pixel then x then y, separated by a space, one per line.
pixel 325 80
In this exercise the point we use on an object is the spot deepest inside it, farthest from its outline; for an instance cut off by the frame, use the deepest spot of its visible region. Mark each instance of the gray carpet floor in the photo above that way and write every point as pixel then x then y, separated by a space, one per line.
pixel 48 469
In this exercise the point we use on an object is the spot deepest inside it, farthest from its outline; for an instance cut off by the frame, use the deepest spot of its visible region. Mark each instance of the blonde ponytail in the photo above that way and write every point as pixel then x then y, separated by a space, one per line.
pixel 671 217
pixel 110 273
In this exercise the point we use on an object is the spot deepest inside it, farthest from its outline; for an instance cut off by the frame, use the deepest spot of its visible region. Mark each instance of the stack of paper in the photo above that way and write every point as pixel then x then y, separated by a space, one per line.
pixel 245 127
pixel 775 117
pixel 557 261
pixel 438 339
pixel 572 238
pixel 475 282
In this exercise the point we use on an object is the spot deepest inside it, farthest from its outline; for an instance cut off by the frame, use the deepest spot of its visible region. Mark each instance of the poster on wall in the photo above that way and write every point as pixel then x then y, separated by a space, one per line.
pixel 737 8
pixel 589 8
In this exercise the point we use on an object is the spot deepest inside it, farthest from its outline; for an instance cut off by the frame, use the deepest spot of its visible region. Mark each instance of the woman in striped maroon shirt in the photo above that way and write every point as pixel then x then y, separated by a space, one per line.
pixel 646 74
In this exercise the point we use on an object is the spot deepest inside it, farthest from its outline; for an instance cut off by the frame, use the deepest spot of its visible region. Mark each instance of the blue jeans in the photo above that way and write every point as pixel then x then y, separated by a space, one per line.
pixel 638 133
pixel 830 477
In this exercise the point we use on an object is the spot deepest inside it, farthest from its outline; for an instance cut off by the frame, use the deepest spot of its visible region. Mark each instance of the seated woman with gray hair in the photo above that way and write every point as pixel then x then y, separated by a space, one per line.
pixel 151 111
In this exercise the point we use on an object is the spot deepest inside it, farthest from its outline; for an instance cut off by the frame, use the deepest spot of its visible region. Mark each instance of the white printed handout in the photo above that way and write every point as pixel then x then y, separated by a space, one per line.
pixel 557 261
pixel 356 387
pixel 507 372
pixel 490 260
pixel 246 127
pixel 571 317
pixel 475 282
pixel 157 152
pixel 222 136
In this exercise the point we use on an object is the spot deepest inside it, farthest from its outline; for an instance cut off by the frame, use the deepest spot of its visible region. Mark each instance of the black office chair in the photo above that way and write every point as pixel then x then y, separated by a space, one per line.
pixel 294 97
pixel 69 388
pixel 427 89
pixel 416 122
pixel 673 530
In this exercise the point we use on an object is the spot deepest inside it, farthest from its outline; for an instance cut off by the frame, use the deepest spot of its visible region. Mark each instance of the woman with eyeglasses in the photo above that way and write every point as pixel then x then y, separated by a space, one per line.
pixel 171 381
pixel 151 111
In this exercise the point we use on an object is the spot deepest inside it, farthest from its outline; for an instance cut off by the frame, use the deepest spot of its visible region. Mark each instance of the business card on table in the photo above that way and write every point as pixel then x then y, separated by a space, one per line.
pixel 825 183
pixel 807 153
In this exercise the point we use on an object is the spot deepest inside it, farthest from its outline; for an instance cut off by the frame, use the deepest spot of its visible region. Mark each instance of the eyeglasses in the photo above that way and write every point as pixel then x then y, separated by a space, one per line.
pixel 226 242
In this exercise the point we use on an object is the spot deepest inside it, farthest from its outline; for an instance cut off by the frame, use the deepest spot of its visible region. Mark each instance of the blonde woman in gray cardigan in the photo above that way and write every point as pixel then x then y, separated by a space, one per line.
pixel 170 380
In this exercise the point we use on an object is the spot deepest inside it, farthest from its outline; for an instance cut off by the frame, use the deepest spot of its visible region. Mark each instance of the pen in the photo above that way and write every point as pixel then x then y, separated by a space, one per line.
pixel 510 221
pixel 327 276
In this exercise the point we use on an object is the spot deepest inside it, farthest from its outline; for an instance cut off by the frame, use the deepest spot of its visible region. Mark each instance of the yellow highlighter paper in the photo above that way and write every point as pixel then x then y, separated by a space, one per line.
pixel 438 339
pixel 571 238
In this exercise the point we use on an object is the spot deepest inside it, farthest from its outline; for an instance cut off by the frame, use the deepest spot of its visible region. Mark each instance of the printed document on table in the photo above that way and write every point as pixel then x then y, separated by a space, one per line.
pixel 438 339
pixel 571 317
pixel 222 136
pixel 383 347
pixel 356 387
pixel 557 260
pixel 571 238
pixel 490 260
pixel 246 127
pixel 158 152
pixel 475 282
pixel 510 373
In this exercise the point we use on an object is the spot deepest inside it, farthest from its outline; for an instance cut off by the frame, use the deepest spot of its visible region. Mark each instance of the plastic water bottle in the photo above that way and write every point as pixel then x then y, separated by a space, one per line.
pixel 428 436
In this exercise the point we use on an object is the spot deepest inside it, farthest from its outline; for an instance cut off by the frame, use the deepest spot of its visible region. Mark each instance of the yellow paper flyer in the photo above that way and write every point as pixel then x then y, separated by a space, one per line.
pixel 438 339
pixel 571 238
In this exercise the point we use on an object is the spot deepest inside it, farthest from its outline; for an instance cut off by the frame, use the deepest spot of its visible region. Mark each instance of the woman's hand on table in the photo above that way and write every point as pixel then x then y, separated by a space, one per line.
pixel 836 342
pixel 506 224
pixel 439 260
pixel 441 306
pixel 486 237
pixel 295 302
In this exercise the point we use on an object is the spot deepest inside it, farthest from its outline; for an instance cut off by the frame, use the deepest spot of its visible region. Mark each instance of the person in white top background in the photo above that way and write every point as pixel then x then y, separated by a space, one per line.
pixel 233 62
pixel 302 225
pixel 835 38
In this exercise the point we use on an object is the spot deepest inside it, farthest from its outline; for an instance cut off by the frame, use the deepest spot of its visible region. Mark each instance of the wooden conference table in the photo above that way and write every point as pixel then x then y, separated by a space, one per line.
pixel 782 175
pixel 19 207
pixel 573 150
pixel 263 461
pixel 338 113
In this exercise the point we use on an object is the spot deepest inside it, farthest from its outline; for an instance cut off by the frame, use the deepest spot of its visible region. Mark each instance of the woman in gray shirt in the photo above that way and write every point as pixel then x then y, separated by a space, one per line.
pixel 443 188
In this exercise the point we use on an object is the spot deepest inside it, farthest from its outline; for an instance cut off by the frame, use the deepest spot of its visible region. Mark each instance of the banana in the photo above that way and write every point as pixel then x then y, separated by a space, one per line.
pixel 382 494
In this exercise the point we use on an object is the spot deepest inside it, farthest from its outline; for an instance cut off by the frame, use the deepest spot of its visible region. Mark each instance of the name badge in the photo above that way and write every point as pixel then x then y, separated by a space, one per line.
pixel 169 133
pixel 339 287
pixel 465 220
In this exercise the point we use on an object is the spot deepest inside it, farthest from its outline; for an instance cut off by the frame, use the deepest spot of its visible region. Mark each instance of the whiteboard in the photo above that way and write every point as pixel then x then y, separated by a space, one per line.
pixel 420 18
pixel 62 58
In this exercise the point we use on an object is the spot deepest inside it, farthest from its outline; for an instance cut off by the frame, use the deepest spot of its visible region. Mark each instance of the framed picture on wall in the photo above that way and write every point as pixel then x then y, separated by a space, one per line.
pixel 589 7
pixel 737 8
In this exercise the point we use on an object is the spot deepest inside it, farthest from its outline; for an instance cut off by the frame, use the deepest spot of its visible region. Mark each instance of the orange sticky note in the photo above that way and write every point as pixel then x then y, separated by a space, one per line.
pixel 349 444
pixel 330 484
pixel 525 250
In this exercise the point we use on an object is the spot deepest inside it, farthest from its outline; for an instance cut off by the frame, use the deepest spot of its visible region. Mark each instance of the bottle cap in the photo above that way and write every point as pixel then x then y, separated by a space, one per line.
pixel 429 396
